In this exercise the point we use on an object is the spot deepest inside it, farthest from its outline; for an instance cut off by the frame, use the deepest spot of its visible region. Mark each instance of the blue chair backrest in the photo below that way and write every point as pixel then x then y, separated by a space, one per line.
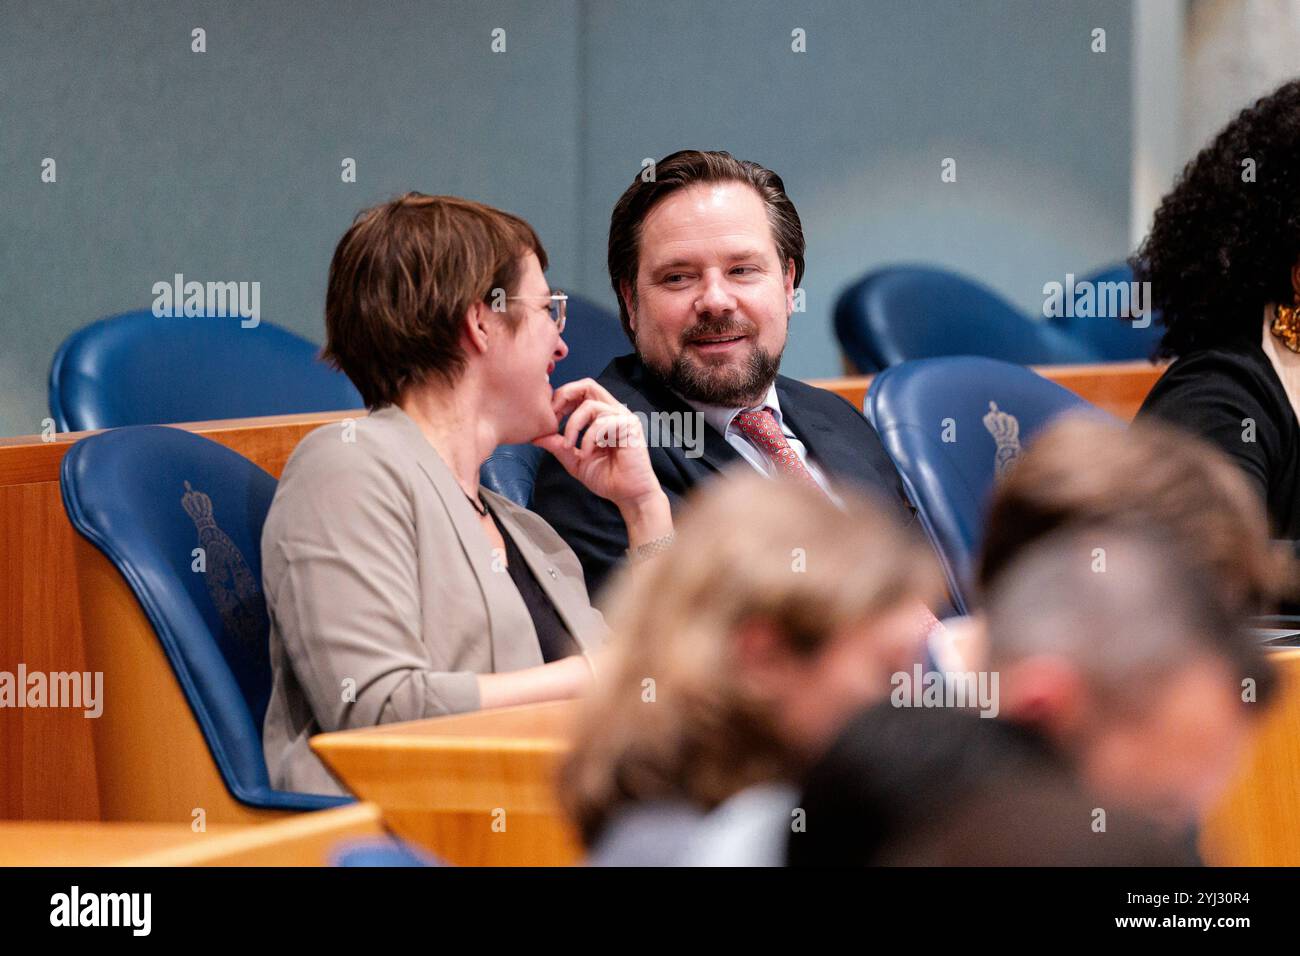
pixel 138 369
pixel 951 426
pixel 1108 329
pixel 382 851
pixel 147 497
pixel 594 337
pixel 511 471
pixel 902 313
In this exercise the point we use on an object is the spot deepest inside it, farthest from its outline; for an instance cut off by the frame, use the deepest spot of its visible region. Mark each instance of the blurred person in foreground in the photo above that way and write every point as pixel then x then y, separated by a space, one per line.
pixel 1173 748
pixel 397 587
pixel 1083 472
pixel 1123 711
pixel 778 616
pixel 1143 686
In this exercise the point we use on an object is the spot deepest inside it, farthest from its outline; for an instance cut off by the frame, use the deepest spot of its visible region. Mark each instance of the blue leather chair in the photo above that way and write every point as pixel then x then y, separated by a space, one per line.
pixel 148 498
pixel 595 338
pixel 382 852
pixel 137 369
pixel 951 425
pixel 902 313
pixel 1110 334
pixel 511 470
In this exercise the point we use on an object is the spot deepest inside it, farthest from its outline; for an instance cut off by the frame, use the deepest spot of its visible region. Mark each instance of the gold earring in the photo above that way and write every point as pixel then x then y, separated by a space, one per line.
pixel 1286 324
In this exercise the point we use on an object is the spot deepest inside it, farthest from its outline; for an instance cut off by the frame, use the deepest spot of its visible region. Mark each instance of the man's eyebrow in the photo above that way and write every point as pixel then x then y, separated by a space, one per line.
pixel 680 263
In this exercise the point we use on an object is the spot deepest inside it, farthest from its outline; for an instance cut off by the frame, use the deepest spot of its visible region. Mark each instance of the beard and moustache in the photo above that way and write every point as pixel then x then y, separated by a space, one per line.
pixel 726 385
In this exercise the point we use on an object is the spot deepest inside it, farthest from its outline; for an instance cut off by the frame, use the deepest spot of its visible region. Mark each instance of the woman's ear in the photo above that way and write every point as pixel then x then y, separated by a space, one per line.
pixel 1295 279
pixel 476 322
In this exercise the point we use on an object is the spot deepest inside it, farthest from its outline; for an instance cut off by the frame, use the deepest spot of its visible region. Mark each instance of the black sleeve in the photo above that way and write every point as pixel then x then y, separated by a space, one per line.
pixel 1223 404
pixel 880 467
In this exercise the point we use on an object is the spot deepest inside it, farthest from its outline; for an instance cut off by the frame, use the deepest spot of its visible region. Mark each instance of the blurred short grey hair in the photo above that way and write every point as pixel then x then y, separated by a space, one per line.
pixel 1121 605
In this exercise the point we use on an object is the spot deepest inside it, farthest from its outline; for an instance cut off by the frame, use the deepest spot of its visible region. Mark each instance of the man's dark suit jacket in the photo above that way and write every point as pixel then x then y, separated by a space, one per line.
pixel 838 439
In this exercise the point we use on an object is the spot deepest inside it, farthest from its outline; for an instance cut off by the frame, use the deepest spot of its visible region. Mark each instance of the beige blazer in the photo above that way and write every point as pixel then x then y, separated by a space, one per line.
pixel 384 595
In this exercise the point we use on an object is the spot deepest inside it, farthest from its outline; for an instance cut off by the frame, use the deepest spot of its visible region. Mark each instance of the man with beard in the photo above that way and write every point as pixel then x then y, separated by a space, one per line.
pixel 704 256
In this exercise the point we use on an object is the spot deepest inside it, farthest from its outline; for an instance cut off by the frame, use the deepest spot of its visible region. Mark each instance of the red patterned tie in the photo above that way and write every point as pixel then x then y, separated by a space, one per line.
pixel 760 427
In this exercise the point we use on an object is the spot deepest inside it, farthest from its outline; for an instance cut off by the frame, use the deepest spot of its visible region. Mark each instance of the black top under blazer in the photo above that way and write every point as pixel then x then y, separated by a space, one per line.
pixel 837 437
pixel 1218 394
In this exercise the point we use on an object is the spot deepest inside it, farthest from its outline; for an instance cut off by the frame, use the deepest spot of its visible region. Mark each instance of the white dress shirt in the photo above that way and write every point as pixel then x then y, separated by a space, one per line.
pixel 723 420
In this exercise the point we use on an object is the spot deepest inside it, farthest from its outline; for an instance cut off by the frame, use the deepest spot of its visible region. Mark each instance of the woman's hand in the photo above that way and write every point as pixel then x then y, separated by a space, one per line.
pixel 612 459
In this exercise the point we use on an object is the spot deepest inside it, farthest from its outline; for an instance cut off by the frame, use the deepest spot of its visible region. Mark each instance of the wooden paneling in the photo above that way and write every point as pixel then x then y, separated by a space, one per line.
pixel 1258 821
pixel 1116 387
pixel 476 789
pixel 306 839
pixel 47 767
pixel 151 760
pixel 90 843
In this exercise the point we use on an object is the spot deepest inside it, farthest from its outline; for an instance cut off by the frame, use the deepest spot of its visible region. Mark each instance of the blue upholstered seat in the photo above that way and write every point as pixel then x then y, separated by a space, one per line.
pixel 594 337
pixel 1110 333
pixel 511 471
pixel 951 425
pixel 902 313
pixel 148 497
pixel 385 852
pixel 137 369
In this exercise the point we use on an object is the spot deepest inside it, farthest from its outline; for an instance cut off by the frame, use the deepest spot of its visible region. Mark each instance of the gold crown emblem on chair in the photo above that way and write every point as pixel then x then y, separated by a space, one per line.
pixel 1005 429
pixel 231 585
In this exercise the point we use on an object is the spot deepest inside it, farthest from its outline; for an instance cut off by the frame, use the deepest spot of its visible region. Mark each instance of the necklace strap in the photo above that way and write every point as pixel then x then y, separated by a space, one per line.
pixel 477 505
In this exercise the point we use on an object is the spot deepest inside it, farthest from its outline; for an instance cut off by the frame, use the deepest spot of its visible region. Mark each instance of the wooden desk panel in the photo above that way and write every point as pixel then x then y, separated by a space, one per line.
pixel 64 843
pixel 46 758
pixel 307 839
pixel 1257 823
pixel 476 789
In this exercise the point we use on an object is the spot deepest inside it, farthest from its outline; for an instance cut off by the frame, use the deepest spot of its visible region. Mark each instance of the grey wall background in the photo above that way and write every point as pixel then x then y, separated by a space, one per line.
pixel 225 165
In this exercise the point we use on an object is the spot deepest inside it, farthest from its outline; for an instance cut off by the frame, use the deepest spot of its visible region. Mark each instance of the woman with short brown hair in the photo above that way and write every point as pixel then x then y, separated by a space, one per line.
pixel 397 587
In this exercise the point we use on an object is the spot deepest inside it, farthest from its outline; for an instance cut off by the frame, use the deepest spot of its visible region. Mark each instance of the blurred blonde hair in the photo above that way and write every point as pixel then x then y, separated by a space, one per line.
pixel 701 736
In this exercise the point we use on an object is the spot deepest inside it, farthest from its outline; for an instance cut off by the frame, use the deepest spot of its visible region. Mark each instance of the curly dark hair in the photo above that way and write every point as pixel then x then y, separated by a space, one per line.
pixel 1221 247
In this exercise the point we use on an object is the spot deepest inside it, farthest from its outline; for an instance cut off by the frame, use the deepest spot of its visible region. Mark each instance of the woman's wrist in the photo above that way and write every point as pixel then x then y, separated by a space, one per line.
pixel 647 520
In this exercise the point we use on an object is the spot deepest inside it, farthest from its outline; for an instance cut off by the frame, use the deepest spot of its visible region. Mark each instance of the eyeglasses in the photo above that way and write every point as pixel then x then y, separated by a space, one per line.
pixel 558 306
